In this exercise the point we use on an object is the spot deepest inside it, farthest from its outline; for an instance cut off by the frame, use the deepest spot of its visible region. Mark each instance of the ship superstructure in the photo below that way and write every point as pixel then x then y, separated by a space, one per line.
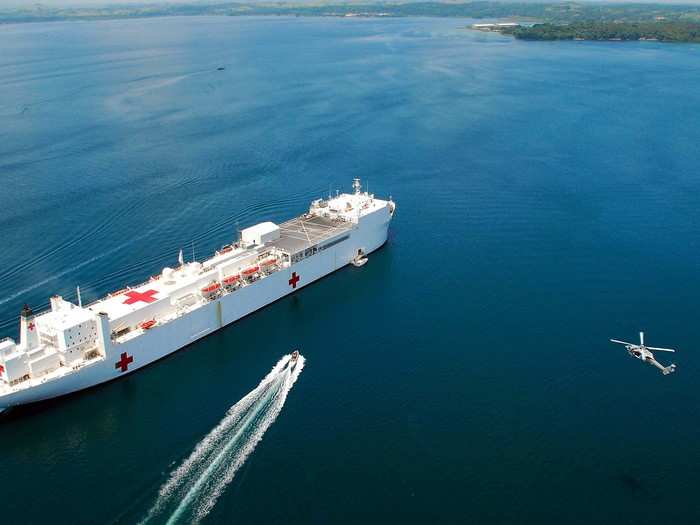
pixel 71 347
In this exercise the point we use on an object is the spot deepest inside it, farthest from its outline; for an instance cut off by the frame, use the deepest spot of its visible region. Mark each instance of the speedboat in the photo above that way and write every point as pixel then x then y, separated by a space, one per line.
pixel 293 360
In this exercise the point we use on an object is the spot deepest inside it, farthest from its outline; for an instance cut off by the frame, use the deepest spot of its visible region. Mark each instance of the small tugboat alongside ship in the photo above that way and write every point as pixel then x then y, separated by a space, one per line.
pixel 72 347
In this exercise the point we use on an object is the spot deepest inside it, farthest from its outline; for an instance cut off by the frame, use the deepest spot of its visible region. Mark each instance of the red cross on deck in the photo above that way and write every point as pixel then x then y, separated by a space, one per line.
pixel 294 280
pixel 135 297
pixel 124 362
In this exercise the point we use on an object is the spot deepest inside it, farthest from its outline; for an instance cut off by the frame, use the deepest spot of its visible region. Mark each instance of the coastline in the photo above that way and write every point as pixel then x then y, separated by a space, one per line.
pixel 555 13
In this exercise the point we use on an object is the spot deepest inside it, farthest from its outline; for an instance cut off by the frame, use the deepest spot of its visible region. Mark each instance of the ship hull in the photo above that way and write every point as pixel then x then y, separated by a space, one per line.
pixel 163 340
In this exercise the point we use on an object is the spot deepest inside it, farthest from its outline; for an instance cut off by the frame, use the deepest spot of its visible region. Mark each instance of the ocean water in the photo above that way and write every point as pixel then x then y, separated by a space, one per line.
pixel 548 198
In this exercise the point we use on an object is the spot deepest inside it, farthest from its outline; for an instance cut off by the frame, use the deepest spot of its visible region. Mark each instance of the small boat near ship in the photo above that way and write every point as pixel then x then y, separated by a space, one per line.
pixel 359 260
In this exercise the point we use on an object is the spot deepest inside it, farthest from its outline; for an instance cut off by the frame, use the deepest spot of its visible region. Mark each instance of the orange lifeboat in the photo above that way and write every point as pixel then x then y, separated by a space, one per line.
pixel 225 249
pixel 119 292
pixel 148 324
pixel 231 279
pixel 211 288
pixel 268 262
pixel 250 270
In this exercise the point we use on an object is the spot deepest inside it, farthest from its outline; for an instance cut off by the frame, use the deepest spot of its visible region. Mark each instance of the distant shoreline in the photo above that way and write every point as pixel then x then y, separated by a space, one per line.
pixel 552 13
pixel 658 31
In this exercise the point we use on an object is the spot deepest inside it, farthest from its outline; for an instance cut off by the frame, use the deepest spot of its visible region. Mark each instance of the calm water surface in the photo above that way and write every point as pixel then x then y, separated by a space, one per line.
pixel 548 199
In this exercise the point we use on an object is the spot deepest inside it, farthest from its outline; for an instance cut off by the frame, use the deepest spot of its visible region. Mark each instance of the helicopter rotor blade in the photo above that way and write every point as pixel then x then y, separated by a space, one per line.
pixel 622 342
pixel 661 349
pixel 641 338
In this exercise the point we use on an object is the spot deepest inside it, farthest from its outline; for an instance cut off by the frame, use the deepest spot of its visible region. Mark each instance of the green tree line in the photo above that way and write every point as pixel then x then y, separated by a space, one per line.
pixel 660 30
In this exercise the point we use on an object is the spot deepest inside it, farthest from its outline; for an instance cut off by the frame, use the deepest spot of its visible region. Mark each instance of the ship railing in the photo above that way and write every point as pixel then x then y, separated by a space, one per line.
pixel 131 287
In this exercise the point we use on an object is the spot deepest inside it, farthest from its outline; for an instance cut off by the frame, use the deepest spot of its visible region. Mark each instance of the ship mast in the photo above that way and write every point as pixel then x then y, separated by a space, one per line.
pixel 357 186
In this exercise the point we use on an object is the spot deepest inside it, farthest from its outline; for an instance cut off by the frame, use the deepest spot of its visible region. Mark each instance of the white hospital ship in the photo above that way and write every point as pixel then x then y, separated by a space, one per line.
pixel 72 347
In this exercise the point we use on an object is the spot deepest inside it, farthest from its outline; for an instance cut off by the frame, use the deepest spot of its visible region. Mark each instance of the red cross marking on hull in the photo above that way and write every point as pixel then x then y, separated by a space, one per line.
pixel 135 297
pixel 124 362
pixel 294 280
pixel 31 326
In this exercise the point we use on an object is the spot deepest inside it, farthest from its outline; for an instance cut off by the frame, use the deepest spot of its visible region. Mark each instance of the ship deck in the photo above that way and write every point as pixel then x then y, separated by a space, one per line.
pixel 307 231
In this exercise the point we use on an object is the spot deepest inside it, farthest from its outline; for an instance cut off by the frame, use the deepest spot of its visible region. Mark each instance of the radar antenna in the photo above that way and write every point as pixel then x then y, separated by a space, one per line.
pixel 357 186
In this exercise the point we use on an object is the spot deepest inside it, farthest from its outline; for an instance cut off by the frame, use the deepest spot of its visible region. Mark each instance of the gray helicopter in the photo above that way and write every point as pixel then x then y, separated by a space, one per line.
pixel 643 352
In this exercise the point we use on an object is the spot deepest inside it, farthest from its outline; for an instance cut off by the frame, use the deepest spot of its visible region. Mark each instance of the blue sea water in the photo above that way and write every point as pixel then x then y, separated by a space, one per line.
pixel 548 198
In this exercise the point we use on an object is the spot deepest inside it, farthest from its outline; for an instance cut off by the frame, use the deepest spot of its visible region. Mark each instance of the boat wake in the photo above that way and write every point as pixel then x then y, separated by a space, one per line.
pixel 193 488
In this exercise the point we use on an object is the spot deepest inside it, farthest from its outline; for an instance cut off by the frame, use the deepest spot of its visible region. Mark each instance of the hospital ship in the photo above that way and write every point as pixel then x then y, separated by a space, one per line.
pixel 71 347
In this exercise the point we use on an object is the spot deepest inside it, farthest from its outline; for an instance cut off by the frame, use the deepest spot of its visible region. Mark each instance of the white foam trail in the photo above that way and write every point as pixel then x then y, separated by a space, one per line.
pixel 198 482
pixel 209 499
pixel 234 414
